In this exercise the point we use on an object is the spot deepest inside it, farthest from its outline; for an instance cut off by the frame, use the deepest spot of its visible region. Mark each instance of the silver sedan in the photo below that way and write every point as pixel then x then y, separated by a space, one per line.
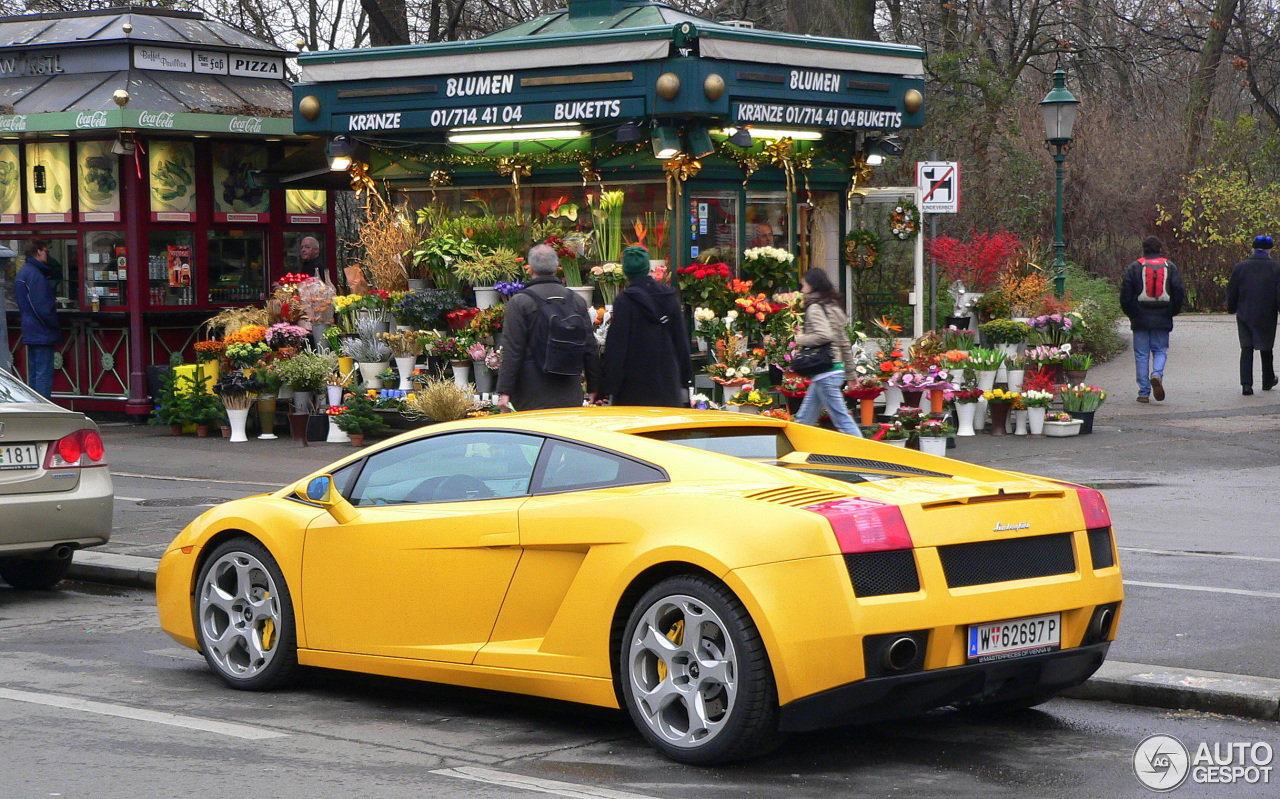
pixel 55 487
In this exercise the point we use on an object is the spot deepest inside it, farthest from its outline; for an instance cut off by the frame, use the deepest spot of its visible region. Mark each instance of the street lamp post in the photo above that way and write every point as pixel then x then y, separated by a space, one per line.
pixel 1059 107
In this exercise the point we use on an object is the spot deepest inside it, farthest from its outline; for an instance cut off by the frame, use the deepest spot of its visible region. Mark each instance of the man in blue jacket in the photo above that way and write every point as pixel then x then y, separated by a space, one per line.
pixel 37 304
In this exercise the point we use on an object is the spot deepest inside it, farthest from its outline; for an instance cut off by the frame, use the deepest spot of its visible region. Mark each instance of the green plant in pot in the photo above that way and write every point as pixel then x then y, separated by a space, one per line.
pixel 1004 331
pixel 485 270
pixel 172 407
pixel 425 309
pixel 360 418
pixel 307 370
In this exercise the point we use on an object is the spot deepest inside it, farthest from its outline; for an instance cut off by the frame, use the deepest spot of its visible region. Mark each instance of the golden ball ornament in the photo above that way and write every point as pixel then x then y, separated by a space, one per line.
pixel 668 85
pixel 713 87
pixel 309 107
pixel 913 100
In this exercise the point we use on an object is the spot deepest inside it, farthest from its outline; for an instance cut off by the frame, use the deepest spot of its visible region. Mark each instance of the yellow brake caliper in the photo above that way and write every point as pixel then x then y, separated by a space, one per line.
pixel 268 630
pixel 676 636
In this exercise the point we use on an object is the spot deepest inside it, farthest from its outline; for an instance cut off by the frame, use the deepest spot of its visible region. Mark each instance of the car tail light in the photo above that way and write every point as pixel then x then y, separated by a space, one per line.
pixel 1094 507
pixel 864 525
pixel 78 450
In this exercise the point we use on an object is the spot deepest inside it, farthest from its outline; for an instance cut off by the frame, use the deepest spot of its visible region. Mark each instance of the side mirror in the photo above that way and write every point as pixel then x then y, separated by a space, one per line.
pixel 321 491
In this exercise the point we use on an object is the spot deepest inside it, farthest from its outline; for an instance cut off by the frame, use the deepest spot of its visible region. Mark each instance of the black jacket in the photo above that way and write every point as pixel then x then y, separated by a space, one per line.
pixel 646 351
pixel 1253 295
pixel 1145 318
pixel 519 376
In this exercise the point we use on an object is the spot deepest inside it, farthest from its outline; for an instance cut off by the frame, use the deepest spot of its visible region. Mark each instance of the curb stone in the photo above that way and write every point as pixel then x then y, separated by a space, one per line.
pixel 1116 681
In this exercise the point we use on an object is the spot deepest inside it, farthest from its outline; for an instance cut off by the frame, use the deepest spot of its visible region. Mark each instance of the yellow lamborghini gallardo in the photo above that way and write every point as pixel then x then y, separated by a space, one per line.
pixel 725 578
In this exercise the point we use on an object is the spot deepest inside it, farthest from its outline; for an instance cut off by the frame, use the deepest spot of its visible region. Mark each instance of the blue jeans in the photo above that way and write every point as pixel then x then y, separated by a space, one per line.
pixel 1150 349
pixel 824 392
pixel 40 368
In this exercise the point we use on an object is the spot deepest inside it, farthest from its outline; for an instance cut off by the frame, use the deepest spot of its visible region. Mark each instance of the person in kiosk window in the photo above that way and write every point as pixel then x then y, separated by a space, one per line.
pixel 312 261
pixel 37 306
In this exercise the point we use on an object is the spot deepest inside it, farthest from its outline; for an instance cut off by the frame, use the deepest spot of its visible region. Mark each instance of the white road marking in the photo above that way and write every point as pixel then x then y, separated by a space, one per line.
pixel 1198 554
pixel 197 480
pixel 495 777
pixel 176 652
pixel 1237 591
pixel 137 714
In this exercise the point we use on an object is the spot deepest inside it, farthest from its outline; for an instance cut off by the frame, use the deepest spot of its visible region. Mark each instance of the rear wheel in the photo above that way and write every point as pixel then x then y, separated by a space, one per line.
pixel 244 617
pixel 695 676
pixel 34 574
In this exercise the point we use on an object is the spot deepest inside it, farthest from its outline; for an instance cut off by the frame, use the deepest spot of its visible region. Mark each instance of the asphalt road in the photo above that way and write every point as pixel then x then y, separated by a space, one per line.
pixel 96 701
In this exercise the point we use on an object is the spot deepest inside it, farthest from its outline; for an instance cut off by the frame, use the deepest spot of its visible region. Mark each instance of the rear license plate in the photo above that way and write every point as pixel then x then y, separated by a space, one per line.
pixel 1015 638
pixel 19 456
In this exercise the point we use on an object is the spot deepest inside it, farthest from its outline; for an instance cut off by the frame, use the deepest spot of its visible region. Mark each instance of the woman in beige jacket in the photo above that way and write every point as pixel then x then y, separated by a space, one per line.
pixel 824 323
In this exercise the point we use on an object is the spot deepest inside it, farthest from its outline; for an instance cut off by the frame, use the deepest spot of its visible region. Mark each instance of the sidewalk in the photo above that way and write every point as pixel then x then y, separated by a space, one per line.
pixel 1214 424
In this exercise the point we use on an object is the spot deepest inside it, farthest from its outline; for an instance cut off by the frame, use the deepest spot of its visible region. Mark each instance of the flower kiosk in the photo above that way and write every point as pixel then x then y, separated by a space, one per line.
pixel 615 122
pixel 127 139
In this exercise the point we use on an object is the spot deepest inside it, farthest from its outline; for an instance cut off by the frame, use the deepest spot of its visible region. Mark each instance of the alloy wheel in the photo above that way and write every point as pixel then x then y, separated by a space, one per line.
pixel 238 608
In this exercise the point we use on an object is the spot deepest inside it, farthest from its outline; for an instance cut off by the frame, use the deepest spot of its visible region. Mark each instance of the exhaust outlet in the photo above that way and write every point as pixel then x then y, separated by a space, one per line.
pixel 900 653
pixel 1100 624
pixel 60 552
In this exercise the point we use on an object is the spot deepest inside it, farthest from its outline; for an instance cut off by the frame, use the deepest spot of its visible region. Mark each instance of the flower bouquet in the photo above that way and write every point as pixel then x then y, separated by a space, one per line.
pixel 709 325
pixel 985 360
pixel 1033 398
pixel 282 335
pixel 404 343
pixel 934 428
pixel 777 413
pixel 1082 398
pixel 209 350
pixel 488 323
pixel 1061 425
pixel 461 318
pixel 771 269
pixel 968 395
pixel 998 396
pixel 793 385
pixel 1077 362
pixel 242 355
pixel 754 398
pixel 425 309
pixel 509 288
pixel 1056 328
pixel 237 391
pixel 1004 331
pixel 705 285
pixel 702 402
pixel 735 365
pixel 609 278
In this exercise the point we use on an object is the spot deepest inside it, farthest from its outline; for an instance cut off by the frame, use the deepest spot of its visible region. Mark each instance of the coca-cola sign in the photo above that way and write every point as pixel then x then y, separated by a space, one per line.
pixel 16 123
pixel 156 119
pixel 93 119
pixel 245 125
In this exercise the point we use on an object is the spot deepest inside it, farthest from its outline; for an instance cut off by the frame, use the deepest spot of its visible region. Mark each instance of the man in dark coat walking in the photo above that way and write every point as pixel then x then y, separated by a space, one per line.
pixel 646 351
pixel 1151 294
pixel 37 305
pixel 522 383
pixel 1253 295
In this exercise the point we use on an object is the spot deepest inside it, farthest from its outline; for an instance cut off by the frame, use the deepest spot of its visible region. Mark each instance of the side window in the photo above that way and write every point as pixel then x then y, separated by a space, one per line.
pixel 571 467
pixel 453 467
pixel 342 477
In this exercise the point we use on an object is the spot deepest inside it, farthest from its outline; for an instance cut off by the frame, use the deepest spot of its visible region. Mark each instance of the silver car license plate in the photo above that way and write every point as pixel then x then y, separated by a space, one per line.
pixel 1015 638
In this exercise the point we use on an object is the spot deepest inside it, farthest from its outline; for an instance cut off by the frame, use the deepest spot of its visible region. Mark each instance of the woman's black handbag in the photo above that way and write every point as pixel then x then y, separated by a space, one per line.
pixel 810 361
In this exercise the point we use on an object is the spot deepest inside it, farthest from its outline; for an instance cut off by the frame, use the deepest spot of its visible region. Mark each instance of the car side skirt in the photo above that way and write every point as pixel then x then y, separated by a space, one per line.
pixel 568 687
pixel 901 696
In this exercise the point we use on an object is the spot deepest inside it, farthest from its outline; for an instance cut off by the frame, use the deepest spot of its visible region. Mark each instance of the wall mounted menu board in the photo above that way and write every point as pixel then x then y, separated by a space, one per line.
pixel 10 185
pixel 97 171
pixel 235 198
pixel 49 182
pixel 172 165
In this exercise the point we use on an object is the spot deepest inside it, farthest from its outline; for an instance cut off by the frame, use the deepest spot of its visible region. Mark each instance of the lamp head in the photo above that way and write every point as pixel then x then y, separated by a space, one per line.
pixel 1059 107
pixel 340 154
pixel 628 133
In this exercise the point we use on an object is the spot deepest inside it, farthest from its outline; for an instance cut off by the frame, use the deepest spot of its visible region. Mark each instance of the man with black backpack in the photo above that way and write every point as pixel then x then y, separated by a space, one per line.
pixel 548 344
pixel 1151 294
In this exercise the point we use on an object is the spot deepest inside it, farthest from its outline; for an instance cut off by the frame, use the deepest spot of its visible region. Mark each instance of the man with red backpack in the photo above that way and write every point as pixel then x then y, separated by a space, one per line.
pixel 1151 294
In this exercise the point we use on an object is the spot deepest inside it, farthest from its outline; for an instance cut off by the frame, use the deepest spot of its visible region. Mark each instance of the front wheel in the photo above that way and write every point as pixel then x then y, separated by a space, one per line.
pixel 244 617
pixel 695 676
pixel 34 574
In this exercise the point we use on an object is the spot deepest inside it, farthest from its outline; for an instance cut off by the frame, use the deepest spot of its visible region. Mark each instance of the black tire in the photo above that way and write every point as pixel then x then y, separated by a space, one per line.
pixel 243 616
pixel 727 670
pixel 34 574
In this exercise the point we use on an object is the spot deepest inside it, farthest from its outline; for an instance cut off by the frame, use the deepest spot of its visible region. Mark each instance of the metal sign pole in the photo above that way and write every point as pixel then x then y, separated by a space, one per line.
pixel 933 276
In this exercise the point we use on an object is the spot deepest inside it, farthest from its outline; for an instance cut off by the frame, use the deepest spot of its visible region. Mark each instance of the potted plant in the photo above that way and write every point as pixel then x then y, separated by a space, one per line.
pixel 1061 424
pixel 966 400
pixel 405 346
pixel 894 434
pixel 1082 401
pixel 425 309
pixel 433 256
pixel 359 419
pixel 370 354
pixel 243 355
pixel 205 410
pixel 749 401
pixel 1000 402
pixel 171 406
pixel 1037 403
pixel 237 392
pixel 933 435
pixel 770 269
pixel 483 271
pixel 439 399
pixel 305 373
pixel 1075 367
pixel 986 362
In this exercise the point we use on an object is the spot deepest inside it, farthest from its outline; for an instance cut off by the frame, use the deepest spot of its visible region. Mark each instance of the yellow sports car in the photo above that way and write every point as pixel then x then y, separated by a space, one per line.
pixel 725 578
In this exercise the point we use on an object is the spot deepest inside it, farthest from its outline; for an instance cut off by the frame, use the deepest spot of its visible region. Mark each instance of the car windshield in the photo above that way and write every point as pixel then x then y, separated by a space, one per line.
pixel 751 443
pixel 14 390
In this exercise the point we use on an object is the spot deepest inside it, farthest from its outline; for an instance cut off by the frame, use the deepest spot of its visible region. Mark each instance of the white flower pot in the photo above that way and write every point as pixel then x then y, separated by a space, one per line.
pixel 1020 422
pixel 964 417
pixel 237 419
pixel 369 371
pixel 404 367
pixel 336 434
pixel 302 401
pixel 1035 421
pixel 1063 429
pixel 892 400
pixel 1002 374
pixel 898 442
pixel 980 415
pixel 987 379
pixel 587 293
pixel 1014 379
pixel 934 445
pixel 461 373
pixel 486 296
pixel 334 395
pixel 733 408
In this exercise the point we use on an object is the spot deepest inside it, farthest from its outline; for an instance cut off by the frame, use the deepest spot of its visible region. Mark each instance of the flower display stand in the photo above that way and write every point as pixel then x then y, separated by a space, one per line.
pixel 999 418
pixel 1014 378
pixel 1035 421
pixel 912 399
pixel 483 377
pixel 1062 429
pixel 336 434
pixel 370 371
pixel 238 417
pixel 980 415
pixel 964 418
pixel 934 445
pixel 1020 422
pixel 986 379
pixel 267 417
pixel 298 428
pixel 334 395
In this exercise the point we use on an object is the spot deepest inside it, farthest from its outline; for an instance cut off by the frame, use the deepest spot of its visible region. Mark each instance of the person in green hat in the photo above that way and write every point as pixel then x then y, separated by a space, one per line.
pixel 646 351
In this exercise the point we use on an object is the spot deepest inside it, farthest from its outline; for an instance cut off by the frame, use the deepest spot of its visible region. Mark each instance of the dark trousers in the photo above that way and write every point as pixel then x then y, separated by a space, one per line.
pixel 40 368
pixel 1246 367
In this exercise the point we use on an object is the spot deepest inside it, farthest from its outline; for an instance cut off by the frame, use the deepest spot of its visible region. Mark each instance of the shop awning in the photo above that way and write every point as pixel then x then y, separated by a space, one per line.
pixel 307 168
